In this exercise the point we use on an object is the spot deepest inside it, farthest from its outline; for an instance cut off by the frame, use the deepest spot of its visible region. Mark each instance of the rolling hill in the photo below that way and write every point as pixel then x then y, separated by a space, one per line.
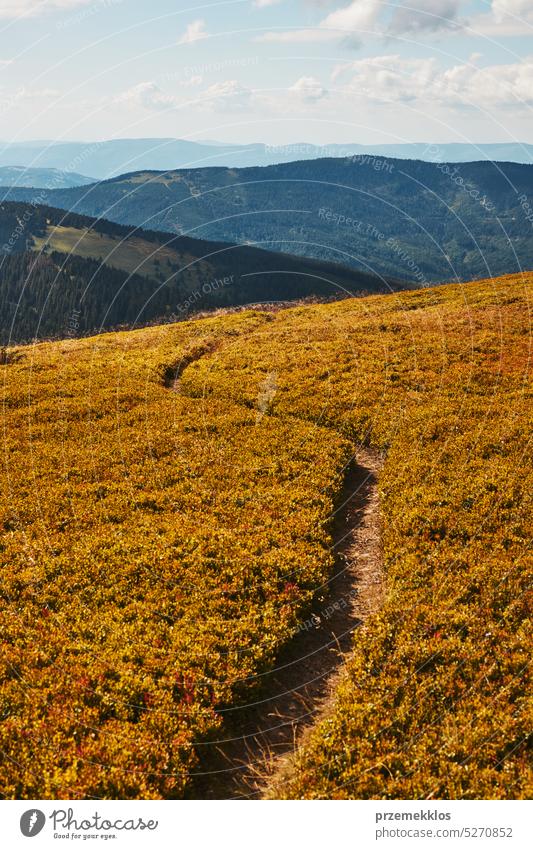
pixel 65 274
pixel 410 219
pixel 169 532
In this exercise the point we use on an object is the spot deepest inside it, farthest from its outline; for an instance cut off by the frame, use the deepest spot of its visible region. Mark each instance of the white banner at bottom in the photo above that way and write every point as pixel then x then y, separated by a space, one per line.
pixel 267 825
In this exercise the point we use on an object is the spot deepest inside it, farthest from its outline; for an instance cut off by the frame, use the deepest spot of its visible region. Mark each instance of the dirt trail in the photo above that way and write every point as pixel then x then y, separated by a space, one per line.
pixel 295 694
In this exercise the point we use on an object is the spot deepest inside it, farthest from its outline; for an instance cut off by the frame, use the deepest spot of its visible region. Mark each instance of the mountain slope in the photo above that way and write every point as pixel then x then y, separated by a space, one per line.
pixel 409 219
pixel 162 550
pixel 62 274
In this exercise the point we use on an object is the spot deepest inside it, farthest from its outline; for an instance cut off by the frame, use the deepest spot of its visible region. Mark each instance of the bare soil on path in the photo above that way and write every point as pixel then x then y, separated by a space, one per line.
pixel 296 693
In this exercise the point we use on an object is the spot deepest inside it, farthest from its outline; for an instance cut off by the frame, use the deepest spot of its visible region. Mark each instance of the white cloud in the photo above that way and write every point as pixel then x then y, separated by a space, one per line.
pixel 190 82
pixel 395 79
pixel 359 13
pixel 506 18
pixel 228 95
pixel 503 85
pixel 195 32
pixel 261 4
pixel 22 95
pixel 225 96
pixel 298 36
pixel 387 85
pixel 349 20
pixel 504 8
pixel 418 17
pixel 32 8
pixel 421 16
pixel 147 95
pixel 308 89
pixel 388 78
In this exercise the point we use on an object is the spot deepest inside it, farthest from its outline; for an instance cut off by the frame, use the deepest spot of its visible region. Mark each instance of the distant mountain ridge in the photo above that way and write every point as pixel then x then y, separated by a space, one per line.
pixel 104 159
pixel 418 221
pixel 41 178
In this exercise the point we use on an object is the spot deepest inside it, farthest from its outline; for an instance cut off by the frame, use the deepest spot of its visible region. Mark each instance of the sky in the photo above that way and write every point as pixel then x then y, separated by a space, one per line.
pixel 272 71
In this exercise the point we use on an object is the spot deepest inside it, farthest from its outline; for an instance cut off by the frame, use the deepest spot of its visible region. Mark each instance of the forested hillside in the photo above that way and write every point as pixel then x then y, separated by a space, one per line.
pixel 66 274
pixel 428 222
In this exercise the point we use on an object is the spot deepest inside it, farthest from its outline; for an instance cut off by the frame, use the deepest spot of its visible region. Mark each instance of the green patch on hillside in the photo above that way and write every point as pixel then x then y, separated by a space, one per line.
pixel 133 254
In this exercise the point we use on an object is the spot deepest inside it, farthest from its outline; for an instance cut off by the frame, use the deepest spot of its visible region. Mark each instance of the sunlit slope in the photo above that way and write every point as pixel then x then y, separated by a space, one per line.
pixel 154 557
pixel 434 702
pixel 134 255
pixel 55 266
pixel 166 524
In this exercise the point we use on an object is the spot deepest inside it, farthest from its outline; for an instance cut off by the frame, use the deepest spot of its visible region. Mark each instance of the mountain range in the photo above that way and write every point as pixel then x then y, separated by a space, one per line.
pixel 104 159
pixel 418 221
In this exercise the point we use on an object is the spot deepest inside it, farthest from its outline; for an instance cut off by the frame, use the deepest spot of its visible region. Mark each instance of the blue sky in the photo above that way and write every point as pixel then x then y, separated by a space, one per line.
pixel 276 71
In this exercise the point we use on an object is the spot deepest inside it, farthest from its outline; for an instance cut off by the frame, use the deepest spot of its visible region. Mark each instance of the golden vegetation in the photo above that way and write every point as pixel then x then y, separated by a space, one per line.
pixel 153 559
pixel 162 537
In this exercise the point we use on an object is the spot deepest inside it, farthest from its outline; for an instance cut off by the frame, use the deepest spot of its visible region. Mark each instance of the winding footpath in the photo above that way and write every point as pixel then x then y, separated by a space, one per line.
pixel 250 762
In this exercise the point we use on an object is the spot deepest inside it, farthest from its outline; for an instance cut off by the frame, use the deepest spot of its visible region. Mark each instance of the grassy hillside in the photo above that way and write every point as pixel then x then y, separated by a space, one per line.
pixel 132 625
pixel 55 266
pixel 423 221
pixel 134 255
